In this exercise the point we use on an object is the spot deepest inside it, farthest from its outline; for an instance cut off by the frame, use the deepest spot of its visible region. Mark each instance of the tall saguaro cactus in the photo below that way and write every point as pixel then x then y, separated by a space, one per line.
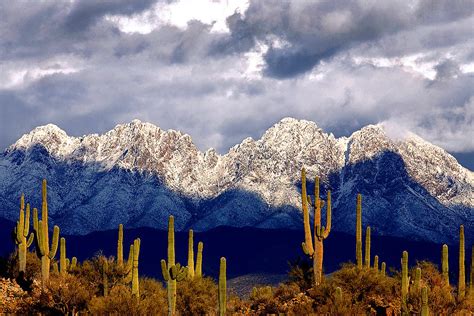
pixel 383 267
pixel 62 257
pixel 222 287
pixel 462 275
pixel 320 232
pixel 198 272
pixel 191 254
pixel 424 302
pixel 367 247
pixel 359 231
pixel 44 251
pixel 405 282
pixel 120 246
pixel 172 272
pixel 21 232
pixel 445 264
pixel 471 283
pixel 136 254
pixel 376 264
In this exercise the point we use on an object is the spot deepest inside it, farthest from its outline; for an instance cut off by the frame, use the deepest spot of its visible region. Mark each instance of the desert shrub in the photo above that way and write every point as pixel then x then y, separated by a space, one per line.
pixel 364 291
pixel 301 273
pixel 33 266
pixel 120 300
pixel 197 296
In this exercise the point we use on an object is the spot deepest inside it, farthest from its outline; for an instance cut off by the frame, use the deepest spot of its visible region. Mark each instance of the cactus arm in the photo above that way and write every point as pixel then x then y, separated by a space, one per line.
pixel 328 216
pixel 305 248
pixel 26 229
pixel 305 199
pixel 383 268
pixel 30 240
pixel 35 219
pixel 40 240
pixel 54 245
pixel 164 270
pixel 417 282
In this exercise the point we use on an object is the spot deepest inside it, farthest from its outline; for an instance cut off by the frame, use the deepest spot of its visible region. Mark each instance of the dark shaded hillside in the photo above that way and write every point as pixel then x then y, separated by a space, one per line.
pixel 248 250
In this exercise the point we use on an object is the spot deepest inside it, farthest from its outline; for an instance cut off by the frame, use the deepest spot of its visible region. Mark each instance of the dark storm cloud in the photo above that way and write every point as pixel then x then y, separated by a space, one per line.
pixel 197 81
pixel 315 31
pixel 85 13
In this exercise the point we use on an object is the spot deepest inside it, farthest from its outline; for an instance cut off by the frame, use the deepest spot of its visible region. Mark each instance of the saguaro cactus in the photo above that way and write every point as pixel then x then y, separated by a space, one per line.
pixel 376 264
pixel 424 302
pixel 21 232
pixel 198 272
pixel 44 251
pixel 367 247
pixel 62 257
pixel 120 246
pixel 404 282
pixel 359 231
pixel 462 276
pixel 136 254
pixel 383 267
pixel 172 272
pixel 445 264
pixel 222 287
pixel 417 282
pixel 471 284
pixel 320 232
pixel 191 254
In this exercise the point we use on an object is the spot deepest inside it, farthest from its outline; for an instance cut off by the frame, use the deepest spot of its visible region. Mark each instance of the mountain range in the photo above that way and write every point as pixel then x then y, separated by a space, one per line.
pixel 138 174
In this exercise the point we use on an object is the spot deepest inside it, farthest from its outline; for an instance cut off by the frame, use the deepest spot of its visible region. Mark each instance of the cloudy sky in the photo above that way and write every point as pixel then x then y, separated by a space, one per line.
pixel 224 70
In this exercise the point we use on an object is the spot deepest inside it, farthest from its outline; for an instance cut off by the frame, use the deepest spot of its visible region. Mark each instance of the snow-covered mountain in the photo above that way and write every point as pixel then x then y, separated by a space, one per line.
pixel 138 174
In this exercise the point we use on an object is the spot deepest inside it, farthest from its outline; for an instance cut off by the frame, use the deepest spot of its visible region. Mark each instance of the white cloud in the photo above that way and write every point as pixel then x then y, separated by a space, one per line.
pixel 179 13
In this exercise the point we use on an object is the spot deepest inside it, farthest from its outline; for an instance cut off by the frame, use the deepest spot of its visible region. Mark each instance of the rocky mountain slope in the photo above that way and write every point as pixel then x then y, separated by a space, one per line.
pixel 138 174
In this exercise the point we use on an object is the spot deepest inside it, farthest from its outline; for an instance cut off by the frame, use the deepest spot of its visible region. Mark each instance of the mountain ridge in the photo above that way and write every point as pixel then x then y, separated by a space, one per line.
pixel 267 168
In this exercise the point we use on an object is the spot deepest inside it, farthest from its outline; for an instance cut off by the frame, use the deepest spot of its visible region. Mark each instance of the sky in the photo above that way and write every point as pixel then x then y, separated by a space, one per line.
pixel 225 70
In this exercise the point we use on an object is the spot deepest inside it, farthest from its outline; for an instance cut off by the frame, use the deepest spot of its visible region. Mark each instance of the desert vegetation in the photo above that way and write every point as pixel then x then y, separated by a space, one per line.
pixel 36 280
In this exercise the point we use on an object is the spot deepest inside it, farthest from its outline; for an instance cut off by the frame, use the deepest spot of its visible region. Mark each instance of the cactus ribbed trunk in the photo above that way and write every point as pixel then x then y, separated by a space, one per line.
pixel 417 282
pixel 404 282
pixel 424 302
pixel 308 239
pixel 222 287
pixel 359 231
pixel 471 284
pixel 445 264
pixel 198 272
pixel 171 285
pixel 462 271
pixel 191 254
pixel 383 267
pixel 20 232
pixel 62 257
pixel 315 250
pixel 376 264
pixel 120 246
pixel 135 281
pixel 367 247
pixel 42 236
